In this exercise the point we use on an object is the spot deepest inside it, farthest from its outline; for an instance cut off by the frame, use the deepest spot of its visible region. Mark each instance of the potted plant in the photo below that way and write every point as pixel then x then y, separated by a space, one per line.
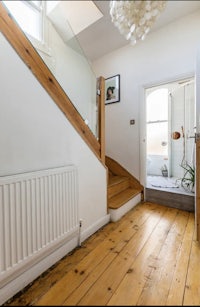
pixel 164 170
pixel 188 180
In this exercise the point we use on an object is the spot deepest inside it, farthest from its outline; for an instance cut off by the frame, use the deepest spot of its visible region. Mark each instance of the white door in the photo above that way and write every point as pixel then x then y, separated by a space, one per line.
pixel 197 190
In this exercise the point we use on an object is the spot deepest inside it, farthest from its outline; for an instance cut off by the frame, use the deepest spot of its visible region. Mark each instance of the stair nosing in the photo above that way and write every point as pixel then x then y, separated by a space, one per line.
pixel 136 192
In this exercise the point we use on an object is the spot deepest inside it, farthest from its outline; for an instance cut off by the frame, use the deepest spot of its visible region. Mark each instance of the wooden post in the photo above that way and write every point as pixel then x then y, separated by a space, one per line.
pixel 101 116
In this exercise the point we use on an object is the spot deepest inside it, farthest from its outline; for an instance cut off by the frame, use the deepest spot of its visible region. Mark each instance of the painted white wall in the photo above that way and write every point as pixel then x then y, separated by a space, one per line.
pixel 165 55
pixel 35 135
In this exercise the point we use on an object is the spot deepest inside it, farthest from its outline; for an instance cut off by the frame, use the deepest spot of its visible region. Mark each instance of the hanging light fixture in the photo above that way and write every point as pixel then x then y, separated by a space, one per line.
pixel 134 19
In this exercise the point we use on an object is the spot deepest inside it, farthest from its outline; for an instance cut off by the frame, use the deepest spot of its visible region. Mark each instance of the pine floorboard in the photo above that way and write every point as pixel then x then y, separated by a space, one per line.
pixel 148 257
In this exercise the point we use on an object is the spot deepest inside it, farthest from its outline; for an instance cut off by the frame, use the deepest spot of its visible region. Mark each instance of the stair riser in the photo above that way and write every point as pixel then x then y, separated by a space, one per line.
pixel 117 188
pixel 116 214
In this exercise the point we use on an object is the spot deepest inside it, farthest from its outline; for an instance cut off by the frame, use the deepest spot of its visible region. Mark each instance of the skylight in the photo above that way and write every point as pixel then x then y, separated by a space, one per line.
pixel 80 14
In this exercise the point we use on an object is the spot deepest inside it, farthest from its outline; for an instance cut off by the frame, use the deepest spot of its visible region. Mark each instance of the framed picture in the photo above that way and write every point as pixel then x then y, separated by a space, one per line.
pixel 112 89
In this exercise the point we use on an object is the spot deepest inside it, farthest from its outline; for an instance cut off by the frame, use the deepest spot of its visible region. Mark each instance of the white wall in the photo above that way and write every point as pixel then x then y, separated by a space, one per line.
pixel 35 135
pixel 164 55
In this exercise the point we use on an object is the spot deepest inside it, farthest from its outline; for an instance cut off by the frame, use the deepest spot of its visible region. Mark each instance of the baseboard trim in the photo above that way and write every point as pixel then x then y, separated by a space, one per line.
pixel 116 214
pixel 96 226
pixel 20 282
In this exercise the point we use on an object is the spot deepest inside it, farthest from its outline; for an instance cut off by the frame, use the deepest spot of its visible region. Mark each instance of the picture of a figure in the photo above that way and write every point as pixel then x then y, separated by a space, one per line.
pixel 110 93
pixel 112 89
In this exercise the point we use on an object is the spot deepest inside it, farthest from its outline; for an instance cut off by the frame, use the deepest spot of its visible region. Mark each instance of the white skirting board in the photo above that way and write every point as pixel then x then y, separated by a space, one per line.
pixel 93 228
pixel 116 214
pixel 20 282
pixel 16 285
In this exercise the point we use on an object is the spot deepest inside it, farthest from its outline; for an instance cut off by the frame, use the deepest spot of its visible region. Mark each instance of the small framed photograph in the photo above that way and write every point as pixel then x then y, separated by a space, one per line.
pixel 112 89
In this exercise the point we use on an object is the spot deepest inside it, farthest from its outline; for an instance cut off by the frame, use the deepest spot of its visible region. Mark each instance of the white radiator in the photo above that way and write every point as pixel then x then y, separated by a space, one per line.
pixel 38 213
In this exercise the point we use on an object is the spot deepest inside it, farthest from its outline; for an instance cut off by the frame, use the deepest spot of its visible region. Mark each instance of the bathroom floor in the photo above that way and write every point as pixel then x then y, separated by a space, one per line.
pixel 168 184
pixel 169 192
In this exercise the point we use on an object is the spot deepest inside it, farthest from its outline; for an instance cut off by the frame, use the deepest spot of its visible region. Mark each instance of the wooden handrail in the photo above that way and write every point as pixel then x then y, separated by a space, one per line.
pixel 32 59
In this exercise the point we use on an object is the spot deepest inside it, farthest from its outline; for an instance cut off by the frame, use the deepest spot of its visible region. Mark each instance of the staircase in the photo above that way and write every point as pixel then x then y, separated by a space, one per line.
pixel 124 190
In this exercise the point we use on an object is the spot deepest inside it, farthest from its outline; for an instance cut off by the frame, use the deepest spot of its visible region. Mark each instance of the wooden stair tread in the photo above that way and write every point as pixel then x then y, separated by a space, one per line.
pixel 121 198
pixel 116 179
pixel 117 184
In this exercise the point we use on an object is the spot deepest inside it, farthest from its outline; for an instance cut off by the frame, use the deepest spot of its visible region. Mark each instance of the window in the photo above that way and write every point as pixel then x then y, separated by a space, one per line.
pixel 29 16
pixel 157 122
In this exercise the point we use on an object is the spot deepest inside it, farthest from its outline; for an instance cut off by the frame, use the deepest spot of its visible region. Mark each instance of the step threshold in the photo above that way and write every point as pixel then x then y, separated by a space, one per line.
pixel 121 198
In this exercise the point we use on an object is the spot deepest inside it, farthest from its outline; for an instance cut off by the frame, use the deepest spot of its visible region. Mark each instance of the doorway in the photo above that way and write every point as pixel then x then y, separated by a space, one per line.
pixel 170 144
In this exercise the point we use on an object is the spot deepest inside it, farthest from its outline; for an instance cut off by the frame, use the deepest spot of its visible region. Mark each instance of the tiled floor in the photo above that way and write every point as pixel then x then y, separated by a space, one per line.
pixel 169 184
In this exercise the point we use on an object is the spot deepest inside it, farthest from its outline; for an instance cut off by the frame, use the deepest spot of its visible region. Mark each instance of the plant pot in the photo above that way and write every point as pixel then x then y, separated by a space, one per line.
pixel 165 173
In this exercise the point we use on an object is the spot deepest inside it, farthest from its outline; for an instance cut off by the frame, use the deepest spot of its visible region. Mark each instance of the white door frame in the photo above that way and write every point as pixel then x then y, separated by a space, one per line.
pixel 142 116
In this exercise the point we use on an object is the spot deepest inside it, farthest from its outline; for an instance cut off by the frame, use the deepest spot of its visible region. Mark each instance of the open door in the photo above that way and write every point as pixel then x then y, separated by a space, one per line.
pixel 197 141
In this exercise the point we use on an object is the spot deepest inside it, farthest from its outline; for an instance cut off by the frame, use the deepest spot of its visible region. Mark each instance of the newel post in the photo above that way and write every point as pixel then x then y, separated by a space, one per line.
pixel 101 116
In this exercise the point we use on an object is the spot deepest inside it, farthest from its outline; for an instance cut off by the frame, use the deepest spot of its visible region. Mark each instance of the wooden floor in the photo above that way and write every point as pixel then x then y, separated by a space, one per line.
pixel 149 257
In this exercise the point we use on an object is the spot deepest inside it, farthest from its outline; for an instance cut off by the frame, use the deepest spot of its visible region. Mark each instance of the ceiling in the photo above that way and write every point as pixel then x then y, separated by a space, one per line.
pixel 103 37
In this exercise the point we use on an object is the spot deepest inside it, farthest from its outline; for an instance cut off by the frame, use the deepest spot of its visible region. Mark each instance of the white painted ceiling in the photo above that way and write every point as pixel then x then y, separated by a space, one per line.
pixel 103 37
